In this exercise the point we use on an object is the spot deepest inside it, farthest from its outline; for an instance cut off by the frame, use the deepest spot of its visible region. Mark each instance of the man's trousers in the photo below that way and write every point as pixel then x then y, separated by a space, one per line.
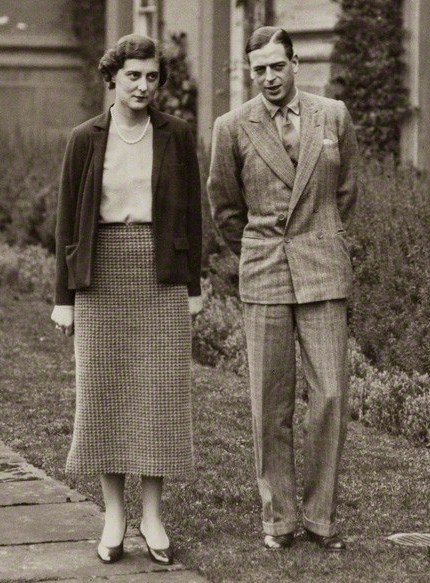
pixel 322 335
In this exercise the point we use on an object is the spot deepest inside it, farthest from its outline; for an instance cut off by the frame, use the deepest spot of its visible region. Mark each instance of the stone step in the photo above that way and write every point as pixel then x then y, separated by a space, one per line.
pixel 49 523
pixel 159 577
pixel 36 492
pixel 75 561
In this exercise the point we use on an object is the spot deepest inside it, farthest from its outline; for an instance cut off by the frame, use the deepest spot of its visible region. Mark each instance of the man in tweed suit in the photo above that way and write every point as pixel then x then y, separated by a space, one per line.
pixel 282 188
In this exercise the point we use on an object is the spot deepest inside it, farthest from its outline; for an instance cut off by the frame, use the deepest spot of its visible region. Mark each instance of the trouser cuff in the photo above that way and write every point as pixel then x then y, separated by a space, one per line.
pixel 278 528
pixel 320 528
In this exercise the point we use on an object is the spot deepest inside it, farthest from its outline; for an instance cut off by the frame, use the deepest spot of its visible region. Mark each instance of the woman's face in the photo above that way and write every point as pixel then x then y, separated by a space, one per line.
pixel 136 83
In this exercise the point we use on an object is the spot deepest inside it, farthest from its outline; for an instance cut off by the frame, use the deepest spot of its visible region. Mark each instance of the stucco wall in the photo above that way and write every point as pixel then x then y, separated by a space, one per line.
pixel 40 80
pixel 184 16
pixel 311 24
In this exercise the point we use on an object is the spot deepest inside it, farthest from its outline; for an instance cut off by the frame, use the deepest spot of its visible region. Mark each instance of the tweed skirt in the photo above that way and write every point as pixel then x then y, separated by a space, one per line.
pixel 133 355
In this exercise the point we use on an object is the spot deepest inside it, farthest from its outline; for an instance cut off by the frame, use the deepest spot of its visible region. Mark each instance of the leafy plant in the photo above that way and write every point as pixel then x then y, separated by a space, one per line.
pixel 368 55
pixel 29 175
pixel 179 95
pixel 389 307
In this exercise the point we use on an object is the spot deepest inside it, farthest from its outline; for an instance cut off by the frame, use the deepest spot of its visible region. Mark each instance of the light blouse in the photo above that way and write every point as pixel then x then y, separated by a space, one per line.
pixel 126 184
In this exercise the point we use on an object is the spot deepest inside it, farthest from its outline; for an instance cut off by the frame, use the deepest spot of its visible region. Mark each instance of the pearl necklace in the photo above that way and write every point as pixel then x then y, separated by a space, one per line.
pixel 125 139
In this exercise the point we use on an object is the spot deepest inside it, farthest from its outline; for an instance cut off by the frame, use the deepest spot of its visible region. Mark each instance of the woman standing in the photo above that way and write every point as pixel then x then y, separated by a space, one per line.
pixel 128 245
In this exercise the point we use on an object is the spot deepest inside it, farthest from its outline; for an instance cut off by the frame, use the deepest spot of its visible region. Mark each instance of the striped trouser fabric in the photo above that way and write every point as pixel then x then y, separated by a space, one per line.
pixel 322 335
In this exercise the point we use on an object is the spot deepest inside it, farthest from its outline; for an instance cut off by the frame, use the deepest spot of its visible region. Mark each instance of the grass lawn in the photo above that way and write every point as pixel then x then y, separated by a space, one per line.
pixel 214 519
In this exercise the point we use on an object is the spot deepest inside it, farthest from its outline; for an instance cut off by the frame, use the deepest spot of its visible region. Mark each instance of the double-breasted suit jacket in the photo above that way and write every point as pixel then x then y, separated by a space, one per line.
pixel 176 204
pixel 287 224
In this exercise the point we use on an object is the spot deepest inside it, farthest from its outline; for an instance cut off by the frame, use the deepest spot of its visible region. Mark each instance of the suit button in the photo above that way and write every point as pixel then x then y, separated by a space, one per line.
pixel 282 219
pixel 320 235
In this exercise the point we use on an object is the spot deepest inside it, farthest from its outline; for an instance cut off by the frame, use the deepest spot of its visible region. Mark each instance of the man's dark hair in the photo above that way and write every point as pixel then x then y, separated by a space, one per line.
pixel 265 34
pixel 131 46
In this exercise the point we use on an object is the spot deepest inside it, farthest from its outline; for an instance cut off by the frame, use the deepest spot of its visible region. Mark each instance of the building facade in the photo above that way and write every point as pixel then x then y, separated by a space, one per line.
pixel 40 68
pixel 217 30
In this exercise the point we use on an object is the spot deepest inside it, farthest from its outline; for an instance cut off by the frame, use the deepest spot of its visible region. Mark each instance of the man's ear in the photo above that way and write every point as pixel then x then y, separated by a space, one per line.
pixel 295 62
pixel 252 74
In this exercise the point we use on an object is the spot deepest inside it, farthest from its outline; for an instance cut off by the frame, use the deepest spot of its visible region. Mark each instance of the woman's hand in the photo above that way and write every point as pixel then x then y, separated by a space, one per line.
pixel 64 317
pixel 195 304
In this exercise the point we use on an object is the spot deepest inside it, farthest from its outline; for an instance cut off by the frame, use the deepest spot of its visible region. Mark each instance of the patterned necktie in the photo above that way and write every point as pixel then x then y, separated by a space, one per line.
pixel 290 138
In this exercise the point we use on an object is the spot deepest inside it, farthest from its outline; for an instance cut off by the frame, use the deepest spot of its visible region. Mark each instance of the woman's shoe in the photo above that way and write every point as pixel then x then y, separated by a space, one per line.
pixel 111 554
pixel 160 556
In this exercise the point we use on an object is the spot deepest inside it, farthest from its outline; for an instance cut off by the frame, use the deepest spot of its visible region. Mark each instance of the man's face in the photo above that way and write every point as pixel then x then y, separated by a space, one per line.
pixel 273 72
pixel 136 83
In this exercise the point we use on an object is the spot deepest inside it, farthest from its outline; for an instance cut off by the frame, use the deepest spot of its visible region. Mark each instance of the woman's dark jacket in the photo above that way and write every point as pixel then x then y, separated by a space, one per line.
pixel 176 204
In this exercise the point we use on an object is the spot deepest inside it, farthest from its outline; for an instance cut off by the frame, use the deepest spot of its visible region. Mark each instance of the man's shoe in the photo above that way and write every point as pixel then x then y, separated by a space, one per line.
pixel 332 544
pixel 276 543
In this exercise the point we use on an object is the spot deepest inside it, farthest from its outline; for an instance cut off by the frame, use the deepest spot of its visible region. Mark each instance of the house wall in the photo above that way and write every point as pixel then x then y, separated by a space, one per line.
pixel 415 144
pixel 185 16
pixel 40 68
pixel 310 24
pixel 214 75
pixel 215 54
pixel 423 113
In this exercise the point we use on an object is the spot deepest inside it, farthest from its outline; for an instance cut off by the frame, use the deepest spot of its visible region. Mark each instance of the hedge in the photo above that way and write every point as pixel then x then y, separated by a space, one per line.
pixel 368 58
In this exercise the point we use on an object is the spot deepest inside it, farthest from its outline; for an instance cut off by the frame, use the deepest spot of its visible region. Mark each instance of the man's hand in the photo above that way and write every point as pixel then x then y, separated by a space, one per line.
pixel 195 304
pixel 64 317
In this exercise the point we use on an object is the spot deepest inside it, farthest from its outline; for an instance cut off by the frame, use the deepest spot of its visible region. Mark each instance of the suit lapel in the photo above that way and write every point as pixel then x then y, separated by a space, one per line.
pixel 311 141
pixel 262 132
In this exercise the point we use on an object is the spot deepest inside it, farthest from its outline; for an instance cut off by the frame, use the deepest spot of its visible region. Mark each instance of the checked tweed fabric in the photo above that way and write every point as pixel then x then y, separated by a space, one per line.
pixel 133 355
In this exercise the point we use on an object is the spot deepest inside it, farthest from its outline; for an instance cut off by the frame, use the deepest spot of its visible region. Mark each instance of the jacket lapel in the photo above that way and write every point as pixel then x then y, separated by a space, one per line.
pixel 311 141
pixel 263 134
pixel 160 139
pixel 99 139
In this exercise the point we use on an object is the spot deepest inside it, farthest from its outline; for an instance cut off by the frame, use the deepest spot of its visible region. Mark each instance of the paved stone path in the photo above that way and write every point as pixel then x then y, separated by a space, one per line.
pixel 49 532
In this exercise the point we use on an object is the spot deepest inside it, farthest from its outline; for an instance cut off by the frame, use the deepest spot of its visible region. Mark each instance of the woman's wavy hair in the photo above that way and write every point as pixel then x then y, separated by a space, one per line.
pixel 131 46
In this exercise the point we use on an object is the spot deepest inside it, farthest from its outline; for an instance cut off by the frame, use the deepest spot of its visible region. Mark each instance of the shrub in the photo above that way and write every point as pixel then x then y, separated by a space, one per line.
pixel 389 307
pixel 179 94
pixel 390 400
pixel 29 176
pixel 369 53
pixel 27 270
pixel 218 337
pixel 212 242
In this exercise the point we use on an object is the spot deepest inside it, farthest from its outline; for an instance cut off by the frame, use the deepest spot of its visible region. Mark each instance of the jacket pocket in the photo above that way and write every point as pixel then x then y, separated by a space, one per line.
pixel 181 243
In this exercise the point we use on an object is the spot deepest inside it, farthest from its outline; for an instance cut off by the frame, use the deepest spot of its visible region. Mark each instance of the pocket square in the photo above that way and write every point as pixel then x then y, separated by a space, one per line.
pixel 328 142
